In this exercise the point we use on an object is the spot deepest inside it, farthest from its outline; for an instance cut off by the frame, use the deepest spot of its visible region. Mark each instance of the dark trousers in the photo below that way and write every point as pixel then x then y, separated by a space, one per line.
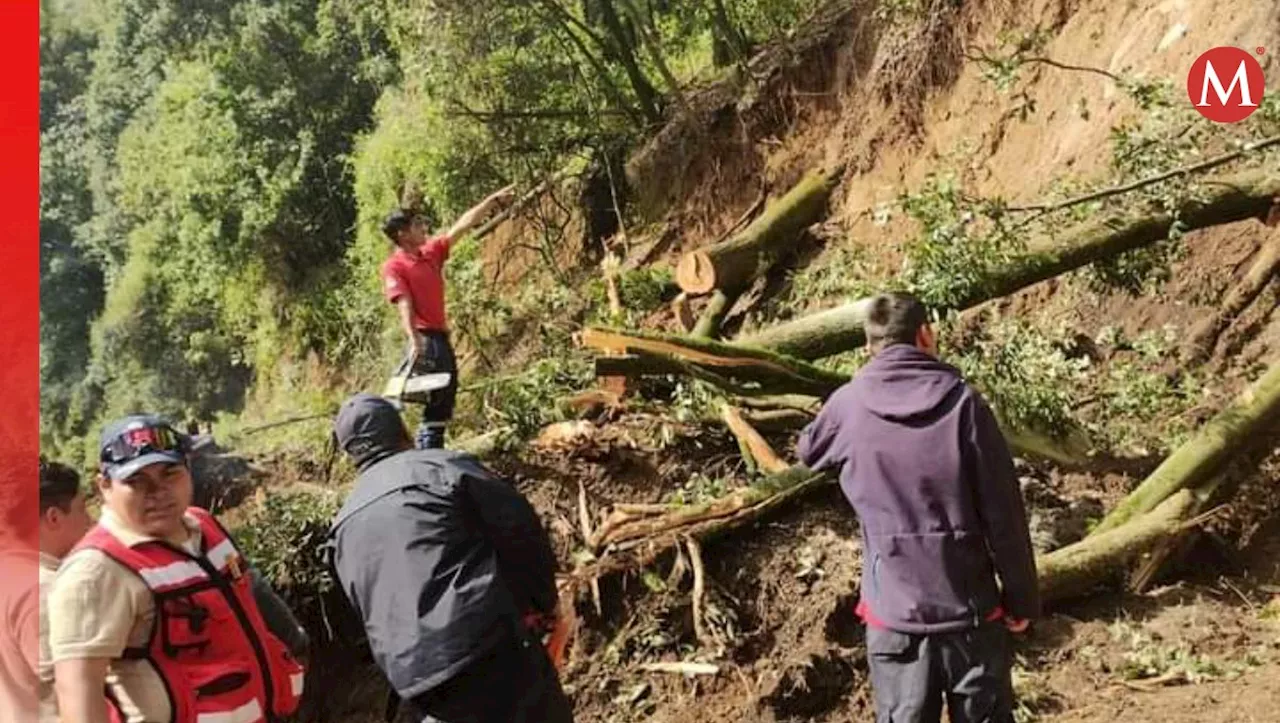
pixel 437 409
pixel 512 683
pixel 911 674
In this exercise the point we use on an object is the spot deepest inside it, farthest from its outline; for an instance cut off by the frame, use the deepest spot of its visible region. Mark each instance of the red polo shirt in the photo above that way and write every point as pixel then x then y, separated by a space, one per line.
pixel 421 276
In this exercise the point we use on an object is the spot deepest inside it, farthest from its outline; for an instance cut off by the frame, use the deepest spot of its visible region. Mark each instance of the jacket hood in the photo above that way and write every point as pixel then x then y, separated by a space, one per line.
pixel 904 384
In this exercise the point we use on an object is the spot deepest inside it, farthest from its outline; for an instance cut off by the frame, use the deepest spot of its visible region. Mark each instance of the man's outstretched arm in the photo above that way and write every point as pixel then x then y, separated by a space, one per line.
pixel 473 216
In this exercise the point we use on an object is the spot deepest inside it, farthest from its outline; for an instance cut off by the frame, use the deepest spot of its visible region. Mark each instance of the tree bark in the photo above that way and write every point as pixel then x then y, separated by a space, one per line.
pixel 1205 453
pixel 649 37
pixel 728 35
pixel 1202 496
pixel 814 336
pixel 624 54
pixel 752 371
pixel 731 265
pixel 1227 199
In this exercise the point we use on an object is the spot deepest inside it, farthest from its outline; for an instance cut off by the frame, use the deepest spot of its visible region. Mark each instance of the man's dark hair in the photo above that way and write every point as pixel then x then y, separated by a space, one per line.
pixel 894 318
pixel 59 484
pixel 397 221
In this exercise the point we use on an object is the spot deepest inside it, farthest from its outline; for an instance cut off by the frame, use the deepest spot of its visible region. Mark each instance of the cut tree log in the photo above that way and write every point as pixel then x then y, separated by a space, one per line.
pixel 777 381
pixel 1077 568
pixel 746 371
pixel 813 336
pixel 1226 199
pixel 1205 454
pixel 798 402
pixel 730 265
pixel 1205 335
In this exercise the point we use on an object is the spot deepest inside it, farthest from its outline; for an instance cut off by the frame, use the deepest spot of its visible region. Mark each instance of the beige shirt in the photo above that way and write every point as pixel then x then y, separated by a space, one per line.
pixel 48 699
pixel 98 607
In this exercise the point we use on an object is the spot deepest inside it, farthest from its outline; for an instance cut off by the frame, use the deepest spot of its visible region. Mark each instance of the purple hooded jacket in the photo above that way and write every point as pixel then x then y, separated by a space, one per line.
pixel 932 482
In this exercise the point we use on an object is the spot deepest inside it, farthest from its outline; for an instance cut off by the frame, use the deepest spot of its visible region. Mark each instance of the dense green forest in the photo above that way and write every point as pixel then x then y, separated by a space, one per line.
pixel 213 173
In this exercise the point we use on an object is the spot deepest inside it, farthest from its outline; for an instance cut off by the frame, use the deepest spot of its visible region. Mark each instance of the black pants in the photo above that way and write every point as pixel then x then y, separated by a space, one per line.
pixel 437 409
pixel 512 683
pixel 911 675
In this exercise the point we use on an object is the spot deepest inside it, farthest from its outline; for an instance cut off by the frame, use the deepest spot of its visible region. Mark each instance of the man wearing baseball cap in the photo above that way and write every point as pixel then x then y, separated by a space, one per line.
pixel 157 606
pixel 444 562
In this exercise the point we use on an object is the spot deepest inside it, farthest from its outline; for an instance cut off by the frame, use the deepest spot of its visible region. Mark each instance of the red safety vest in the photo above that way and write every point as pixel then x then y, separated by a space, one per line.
pixel 209 644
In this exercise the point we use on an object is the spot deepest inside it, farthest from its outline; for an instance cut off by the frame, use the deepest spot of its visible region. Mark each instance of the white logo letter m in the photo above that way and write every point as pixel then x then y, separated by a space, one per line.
pixel 1211 76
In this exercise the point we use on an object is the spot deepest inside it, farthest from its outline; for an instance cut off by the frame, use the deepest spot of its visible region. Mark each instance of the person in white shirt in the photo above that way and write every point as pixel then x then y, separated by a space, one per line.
pixel 63 521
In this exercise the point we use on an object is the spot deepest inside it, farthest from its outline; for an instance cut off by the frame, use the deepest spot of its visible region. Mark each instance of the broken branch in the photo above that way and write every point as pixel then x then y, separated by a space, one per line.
pixel 759 449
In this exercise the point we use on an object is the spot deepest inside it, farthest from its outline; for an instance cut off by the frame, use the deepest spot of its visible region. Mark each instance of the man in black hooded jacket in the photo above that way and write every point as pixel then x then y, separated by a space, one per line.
pixel 443 560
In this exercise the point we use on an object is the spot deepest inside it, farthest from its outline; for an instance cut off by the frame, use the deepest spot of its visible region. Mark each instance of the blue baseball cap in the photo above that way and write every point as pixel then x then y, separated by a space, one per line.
pixel 131 443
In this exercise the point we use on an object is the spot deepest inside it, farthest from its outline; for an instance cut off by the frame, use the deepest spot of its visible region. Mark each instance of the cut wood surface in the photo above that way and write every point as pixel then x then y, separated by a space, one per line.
pixel 1206 452
pixel 1225 199
pixel 731 264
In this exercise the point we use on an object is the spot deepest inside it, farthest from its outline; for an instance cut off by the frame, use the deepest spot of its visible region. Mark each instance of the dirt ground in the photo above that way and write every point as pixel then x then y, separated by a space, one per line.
pixel 789 647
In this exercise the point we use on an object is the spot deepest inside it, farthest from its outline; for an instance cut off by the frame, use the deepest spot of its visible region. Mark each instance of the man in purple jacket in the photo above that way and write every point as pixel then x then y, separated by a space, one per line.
pixel 932 482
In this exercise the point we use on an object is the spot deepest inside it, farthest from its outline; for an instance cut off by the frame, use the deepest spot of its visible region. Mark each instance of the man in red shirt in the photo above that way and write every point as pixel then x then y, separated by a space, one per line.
pixel 413 280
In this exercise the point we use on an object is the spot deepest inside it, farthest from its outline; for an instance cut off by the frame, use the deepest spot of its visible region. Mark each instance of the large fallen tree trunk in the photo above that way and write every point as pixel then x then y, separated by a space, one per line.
pixel 1226 199
pixel 1154 514
pixel 814 336
pixel 1204 454
pixel 730 265
pixel 746 371
pixel 1077 568
pixel 765 375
